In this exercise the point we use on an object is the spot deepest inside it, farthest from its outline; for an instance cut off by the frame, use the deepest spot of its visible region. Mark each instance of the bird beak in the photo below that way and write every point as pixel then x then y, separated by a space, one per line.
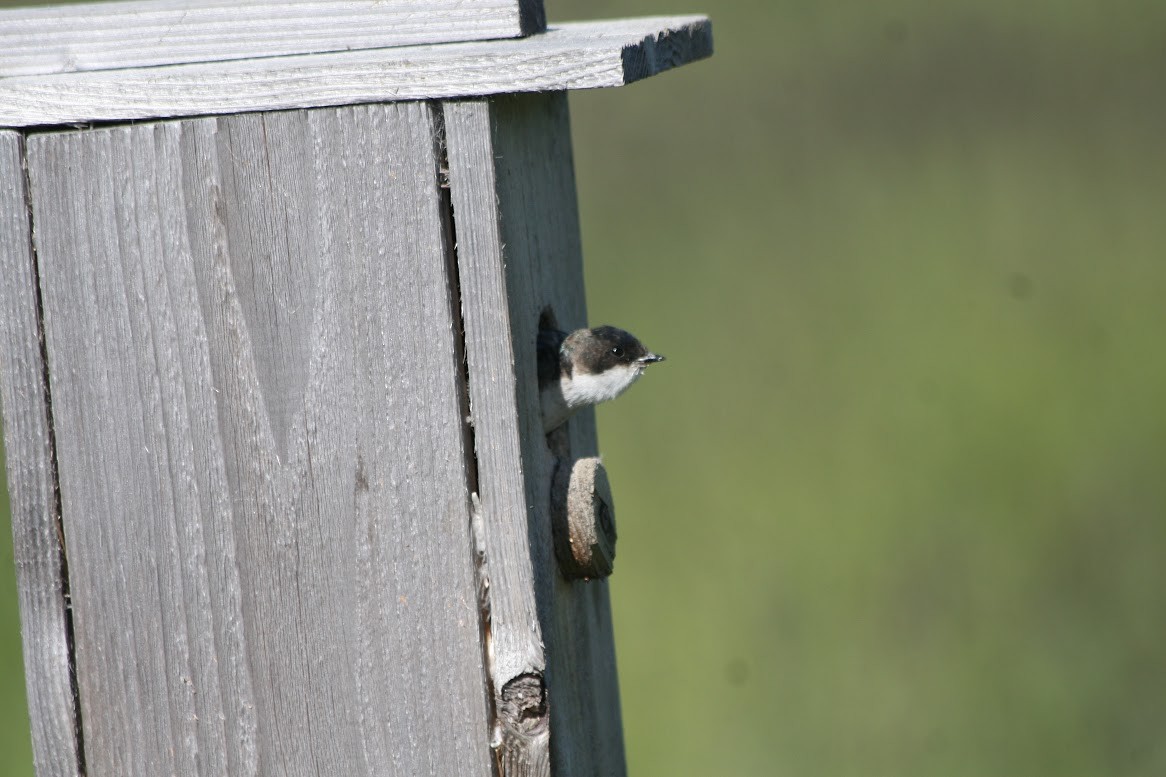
pixel 651 358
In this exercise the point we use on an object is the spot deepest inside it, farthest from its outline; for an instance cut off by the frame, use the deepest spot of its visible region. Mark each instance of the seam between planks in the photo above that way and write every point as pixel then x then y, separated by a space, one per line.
pixel 478 549
pixel 70 643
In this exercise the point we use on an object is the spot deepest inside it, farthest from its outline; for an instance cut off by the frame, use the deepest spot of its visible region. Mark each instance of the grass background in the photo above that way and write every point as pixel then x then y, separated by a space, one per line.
pixel 896 504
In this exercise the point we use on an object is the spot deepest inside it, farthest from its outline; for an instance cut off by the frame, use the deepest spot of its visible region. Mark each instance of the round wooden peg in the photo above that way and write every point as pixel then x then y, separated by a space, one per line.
pixel 583 519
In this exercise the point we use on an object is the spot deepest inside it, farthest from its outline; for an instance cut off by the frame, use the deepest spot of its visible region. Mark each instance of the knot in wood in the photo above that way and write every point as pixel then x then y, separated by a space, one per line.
pixel 583 519
pixel 523 704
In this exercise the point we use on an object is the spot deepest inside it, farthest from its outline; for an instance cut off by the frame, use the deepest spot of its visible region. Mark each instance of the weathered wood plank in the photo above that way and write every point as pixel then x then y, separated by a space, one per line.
pixel 263 480
pixel 513 189
pixel 570 56
pixel 40 576
pixel 508 526
pixel 145 33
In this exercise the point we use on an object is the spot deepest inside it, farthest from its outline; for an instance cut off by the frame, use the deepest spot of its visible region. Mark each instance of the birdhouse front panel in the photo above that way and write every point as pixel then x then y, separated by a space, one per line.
pixel 258 409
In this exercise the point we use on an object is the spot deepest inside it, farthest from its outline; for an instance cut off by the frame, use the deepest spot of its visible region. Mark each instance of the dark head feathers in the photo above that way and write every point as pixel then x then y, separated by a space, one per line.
pixel 598 350
pixel 588 350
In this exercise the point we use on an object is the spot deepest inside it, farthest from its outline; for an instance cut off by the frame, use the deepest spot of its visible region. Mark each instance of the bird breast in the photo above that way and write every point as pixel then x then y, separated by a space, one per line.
pixel 585 388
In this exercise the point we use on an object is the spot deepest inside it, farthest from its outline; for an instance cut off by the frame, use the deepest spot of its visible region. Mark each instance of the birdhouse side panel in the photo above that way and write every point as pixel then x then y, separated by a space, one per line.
pixel 513 185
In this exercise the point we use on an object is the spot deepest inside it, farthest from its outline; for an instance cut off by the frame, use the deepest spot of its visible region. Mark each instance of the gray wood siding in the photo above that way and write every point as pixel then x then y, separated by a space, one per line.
pixel 519 252
pixel 263 480
pixel 36 535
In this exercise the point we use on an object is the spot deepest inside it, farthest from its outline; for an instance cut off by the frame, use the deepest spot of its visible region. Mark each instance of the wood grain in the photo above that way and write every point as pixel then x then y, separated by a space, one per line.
pixel 516 216
pixel 40 574
pixel 570 56
pixel 262 474
pixel 508 524
pixel 145 33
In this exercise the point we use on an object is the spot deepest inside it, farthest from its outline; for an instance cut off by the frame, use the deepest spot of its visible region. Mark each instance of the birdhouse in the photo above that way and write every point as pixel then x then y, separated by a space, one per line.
pixel 273 276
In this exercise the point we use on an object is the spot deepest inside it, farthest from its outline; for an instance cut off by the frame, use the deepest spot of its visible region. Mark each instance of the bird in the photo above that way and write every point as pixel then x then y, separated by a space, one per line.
pixel 586 367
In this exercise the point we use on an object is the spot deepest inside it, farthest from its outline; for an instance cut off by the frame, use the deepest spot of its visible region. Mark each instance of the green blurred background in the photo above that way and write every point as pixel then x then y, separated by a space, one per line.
pixel 896 504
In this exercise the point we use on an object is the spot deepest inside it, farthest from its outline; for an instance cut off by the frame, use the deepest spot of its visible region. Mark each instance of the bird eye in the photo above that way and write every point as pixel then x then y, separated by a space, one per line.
pixel 618 351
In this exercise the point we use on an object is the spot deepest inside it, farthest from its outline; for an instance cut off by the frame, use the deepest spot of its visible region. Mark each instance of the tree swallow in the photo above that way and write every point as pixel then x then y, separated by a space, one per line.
pixel 586 367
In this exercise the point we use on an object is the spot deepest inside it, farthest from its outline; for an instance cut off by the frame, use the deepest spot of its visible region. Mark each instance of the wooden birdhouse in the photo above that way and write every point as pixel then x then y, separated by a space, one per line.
pixel 272 278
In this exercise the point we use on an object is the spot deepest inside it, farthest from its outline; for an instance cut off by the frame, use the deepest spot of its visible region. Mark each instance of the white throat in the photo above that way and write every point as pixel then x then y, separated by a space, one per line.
pixel 585 388
pixel 561 400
